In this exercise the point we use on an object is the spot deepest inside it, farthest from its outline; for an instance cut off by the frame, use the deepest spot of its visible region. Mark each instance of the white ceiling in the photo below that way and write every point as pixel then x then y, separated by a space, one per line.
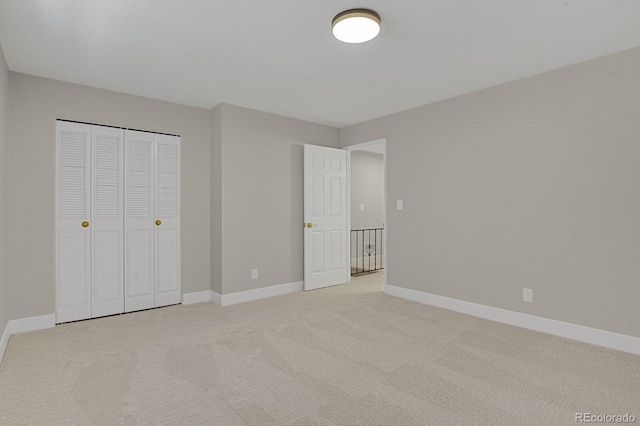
pixel 279 56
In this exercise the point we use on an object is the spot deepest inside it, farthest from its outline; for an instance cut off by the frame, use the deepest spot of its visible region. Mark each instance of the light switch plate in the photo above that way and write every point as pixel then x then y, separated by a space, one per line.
pixel 399 205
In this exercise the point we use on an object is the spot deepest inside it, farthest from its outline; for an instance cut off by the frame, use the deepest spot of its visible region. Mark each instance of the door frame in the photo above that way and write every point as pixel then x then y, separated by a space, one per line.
pixel 359 147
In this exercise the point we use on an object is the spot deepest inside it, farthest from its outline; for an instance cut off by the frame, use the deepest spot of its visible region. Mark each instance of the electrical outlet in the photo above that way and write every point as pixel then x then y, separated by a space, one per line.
pixel 254 274
pixel 527 295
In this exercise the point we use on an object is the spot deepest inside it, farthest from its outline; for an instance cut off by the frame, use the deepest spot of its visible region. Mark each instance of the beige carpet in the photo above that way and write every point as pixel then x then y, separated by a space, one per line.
pixel 347 355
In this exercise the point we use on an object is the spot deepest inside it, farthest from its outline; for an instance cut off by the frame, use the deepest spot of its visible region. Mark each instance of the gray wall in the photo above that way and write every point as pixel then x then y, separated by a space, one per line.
pixel 262 197
pixel 216 199
pixel 4 95
pixel 34 105
pixel 367 187
pixel 532 184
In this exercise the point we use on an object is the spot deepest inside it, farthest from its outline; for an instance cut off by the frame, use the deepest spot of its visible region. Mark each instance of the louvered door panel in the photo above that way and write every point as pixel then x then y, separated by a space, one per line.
pixel 139 177
pixel 73 168
pixel 167 178
pixel 167 208
pixel 73 261
pixel 107 224
pixel 107 172
pixel 139 221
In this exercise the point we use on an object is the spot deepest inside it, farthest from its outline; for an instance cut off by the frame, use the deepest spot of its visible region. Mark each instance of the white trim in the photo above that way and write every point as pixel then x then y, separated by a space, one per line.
pixel 260 293
pixel 23 325
pixel 201 297
pixel 348 277
pixel 33 323
pixel 4 341
pixel 365 145
pixel 196 297
pixel 580 333
pixel 216 298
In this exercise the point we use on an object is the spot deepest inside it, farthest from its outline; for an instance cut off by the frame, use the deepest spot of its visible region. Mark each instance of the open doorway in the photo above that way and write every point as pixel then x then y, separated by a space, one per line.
pixel 366 212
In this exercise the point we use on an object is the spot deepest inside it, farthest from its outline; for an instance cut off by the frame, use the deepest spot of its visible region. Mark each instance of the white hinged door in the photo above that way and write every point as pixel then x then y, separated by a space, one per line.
pixel 325 216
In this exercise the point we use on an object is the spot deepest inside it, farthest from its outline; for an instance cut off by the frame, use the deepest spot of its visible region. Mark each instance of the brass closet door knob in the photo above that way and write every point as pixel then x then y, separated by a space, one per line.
pixel 85 224
pixel 158 222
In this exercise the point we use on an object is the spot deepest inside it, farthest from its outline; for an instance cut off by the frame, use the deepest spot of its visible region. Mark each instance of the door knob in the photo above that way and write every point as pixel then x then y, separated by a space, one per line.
pixel 85 224
pixel 158 222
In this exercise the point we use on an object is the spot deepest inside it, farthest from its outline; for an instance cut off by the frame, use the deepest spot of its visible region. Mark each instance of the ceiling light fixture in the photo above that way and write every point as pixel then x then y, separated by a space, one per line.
pixel 356 25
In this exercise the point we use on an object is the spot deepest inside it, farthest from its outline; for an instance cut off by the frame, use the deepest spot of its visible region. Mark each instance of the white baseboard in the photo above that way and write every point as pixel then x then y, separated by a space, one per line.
pixel 241 296
pixel 24 325
pixel 32 324
pixel 580 333
pixel 260 293
pixel 216 298
pixel 4 341
pixel 197 297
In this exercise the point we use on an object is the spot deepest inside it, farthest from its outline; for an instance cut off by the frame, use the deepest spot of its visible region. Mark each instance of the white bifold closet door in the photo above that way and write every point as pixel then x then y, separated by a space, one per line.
pixel 117 221
pixel 152 220
pixel 89 225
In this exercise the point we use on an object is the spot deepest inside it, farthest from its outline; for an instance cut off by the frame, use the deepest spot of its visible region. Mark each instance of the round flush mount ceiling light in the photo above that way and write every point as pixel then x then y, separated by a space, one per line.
pixel 356 25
